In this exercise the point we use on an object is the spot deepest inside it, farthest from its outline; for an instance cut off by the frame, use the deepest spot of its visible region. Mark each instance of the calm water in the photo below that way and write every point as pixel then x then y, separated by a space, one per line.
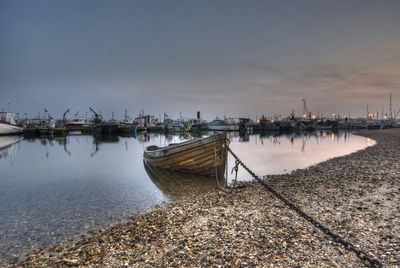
pixel 51 190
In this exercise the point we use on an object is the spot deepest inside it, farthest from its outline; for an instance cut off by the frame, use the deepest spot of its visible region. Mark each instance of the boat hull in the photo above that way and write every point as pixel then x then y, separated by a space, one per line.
pixel 77 127
pixel 107 128
pixel 323 127
pixel 265 128
pixel 173 129
pixel 8 129
pixel 205 156
pixel 224 128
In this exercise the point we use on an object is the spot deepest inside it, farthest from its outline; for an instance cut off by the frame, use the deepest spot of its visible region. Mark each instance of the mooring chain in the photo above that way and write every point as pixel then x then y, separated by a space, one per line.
pixel 373 261
pixel 235 169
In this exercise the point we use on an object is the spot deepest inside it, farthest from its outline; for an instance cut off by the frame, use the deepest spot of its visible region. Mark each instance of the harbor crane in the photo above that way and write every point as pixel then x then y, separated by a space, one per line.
pixel 65 116
pixel 48 114
pixel 97 117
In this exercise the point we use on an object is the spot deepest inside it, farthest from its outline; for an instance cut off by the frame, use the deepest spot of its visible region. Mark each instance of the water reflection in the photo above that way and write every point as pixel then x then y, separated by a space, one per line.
pixel 56 188
pixel 177 185
pixel 275 153
pixel 7 145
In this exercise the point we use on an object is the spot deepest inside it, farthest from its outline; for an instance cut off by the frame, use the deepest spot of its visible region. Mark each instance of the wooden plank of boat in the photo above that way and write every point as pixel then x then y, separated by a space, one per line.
pixel 198 156
pixel 167 159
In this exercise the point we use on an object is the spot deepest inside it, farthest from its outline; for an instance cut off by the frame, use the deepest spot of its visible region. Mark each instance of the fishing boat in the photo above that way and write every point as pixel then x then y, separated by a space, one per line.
pixel 224 125
pixel 264 124
pixel 78 124
pixel 174 126
pixel 107 127
pixel 128 125
pixel 201 156
pixel 8 125
pixel 321 125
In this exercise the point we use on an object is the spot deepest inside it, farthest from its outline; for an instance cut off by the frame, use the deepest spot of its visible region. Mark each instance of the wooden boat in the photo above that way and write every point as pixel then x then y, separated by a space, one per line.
pixel 201 156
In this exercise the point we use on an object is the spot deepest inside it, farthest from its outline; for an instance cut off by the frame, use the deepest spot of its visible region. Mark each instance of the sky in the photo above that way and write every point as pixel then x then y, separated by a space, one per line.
pixel 233 58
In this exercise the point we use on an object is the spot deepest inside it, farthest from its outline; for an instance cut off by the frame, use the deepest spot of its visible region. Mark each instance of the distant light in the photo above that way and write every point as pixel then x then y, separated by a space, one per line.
pixel 314 117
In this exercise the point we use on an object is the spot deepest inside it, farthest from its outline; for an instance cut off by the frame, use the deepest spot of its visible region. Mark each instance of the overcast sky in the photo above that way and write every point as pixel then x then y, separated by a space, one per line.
pixel 234 58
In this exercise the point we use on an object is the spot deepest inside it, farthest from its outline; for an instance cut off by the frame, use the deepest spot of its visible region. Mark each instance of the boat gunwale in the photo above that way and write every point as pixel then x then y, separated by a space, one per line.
pixel 174 149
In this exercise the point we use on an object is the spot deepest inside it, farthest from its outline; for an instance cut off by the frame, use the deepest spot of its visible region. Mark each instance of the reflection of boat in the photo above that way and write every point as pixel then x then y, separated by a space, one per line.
pixel 8 125
pixel 178 185
pixel 105 138
pixel 202 156
pixel 6 142
pixel 99 138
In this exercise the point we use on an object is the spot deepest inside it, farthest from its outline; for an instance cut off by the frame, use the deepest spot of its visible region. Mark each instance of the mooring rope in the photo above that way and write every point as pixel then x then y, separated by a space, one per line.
pixel 362 255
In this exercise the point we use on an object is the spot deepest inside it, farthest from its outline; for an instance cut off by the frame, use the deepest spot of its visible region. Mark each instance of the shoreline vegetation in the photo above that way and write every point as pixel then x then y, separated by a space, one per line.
pixel 357 196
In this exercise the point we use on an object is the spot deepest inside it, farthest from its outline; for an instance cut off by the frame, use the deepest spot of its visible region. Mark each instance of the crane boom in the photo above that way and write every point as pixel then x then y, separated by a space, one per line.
pixel 64 115
pixel 97 117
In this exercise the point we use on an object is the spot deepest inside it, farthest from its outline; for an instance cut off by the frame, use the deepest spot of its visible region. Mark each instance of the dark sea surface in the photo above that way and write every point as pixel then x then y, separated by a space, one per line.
pixel 59 188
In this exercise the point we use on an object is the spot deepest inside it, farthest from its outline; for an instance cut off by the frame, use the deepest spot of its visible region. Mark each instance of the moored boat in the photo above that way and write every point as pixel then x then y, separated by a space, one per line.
pixel 110 127
pixel 78 124
pixel 8 125
pixel 202 156
pixel 223 125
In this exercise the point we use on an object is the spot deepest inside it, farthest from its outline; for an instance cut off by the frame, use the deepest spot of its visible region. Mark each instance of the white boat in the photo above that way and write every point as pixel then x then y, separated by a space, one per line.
pixel 223 125
pixel 78 123
pixel 8 125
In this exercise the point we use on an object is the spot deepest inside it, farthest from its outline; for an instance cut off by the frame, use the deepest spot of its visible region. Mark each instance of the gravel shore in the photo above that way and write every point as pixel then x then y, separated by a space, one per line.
pixel 357 196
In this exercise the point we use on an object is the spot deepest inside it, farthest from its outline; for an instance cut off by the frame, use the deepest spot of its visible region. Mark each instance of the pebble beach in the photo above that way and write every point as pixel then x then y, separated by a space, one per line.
pixel 357 196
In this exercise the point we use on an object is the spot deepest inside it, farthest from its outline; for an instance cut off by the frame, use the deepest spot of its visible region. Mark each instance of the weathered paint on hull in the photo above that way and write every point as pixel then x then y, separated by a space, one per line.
pixel 203 158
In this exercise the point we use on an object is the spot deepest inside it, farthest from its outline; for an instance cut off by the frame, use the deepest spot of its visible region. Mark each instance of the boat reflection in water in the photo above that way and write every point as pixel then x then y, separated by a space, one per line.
pixel 177 185
pixel 6 144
